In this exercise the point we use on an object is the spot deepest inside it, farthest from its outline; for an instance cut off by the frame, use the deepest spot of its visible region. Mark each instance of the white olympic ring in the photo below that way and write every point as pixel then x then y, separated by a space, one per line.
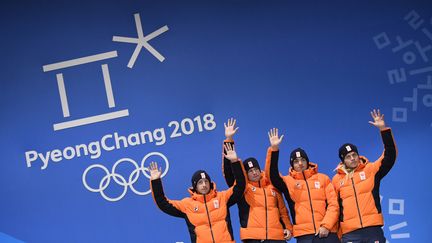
pixel 120 180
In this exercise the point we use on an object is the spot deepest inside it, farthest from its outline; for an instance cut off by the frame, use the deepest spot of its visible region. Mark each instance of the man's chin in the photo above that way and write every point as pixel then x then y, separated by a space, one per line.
pixel 352 167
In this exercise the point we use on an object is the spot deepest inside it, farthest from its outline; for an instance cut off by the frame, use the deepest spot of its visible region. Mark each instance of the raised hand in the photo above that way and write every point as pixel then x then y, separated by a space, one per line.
pixel 230 152
pixel 274 138
pixel 378 119
pixel 155 173
pixel 230 128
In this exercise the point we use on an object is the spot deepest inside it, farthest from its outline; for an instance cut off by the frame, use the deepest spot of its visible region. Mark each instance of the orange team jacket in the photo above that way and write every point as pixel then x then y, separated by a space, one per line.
pixel 310 195
pixel 262 211
pixel 358 192
pixel 207 216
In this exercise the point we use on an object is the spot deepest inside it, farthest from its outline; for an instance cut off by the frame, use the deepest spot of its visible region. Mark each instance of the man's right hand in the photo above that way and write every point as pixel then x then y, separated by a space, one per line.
pixel 230 128
pixel 378 120
pixel 274 138
pixel 155 173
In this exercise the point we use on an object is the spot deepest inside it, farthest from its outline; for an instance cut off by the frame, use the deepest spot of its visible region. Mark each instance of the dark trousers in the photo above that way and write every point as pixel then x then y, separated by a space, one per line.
pixel 331 238
pixel 373 234
pixel 264 241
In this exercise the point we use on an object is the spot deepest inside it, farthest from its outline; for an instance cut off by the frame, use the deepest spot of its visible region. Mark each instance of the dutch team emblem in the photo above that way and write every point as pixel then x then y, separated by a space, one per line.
pixel 216 203
pixel 362 175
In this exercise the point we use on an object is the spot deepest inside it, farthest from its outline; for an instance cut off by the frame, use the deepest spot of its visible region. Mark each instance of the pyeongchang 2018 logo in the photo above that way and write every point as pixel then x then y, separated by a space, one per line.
pixel 97 177
pixel 113 182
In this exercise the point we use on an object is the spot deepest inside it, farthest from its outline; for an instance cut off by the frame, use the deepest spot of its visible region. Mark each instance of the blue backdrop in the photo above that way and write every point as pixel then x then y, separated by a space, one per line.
pixel 92 87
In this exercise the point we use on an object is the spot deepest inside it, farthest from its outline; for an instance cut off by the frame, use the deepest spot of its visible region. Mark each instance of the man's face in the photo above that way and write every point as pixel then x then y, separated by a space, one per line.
pixel 351 160
pixel 203 186
pixel 300 164
pixel 254 174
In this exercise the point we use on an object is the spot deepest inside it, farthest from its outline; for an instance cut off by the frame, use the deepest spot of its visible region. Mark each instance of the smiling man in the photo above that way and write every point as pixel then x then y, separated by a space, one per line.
pixel 357 184
pixel 206 211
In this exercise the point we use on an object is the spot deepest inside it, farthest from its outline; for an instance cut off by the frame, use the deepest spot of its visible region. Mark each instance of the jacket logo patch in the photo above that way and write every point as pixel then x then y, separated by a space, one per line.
pixel 362 175
pixel 298 185
pixel 317 185
pixel 273 193
pixel 216 203
pixel 253 188
pixel 196 208
pixel 341 183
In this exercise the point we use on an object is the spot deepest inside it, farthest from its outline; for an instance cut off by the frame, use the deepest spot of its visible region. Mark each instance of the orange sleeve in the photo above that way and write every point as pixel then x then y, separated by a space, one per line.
pixel 267 164
pixel 332 214
pixel 284 213
pixel 336 183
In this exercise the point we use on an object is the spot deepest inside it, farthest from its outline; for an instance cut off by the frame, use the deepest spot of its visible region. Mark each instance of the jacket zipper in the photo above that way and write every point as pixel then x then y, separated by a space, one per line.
pixel 265 204
pixel 358 208
pixel 208 216
pixel 310 202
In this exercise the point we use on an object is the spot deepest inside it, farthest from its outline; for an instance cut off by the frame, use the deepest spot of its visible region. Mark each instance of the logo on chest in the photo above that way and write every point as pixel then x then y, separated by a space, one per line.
pixel 362 175
pixel 216 203
pixel 195 208
pixel 317 185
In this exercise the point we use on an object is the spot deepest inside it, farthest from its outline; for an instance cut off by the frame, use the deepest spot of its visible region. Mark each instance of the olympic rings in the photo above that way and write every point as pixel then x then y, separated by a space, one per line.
pixel 120 180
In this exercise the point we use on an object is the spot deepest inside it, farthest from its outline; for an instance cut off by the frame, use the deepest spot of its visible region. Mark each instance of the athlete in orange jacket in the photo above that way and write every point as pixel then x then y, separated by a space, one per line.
pixel 357 184
pixel 206 211
pixel 263 215
pixel 310 195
